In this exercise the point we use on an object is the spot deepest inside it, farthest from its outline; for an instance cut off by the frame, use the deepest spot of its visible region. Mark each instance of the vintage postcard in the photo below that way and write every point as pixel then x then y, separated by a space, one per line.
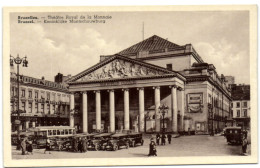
pixel 110 86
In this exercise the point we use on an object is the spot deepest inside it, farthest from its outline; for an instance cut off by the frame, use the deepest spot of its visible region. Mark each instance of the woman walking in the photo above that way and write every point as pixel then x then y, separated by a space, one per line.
pixel 152 148
pixel 48 146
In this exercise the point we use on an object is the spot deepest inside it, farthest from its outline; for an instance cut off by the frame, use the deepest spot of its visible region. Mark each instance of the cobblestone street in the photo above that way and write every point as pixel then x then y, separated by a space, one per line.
pixel 198 145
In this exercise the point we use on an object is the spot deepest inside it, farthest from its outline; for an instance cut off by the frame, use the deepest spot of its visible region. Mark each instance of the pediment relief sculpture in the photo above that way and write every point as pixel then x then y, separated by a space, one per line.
pixel 120 69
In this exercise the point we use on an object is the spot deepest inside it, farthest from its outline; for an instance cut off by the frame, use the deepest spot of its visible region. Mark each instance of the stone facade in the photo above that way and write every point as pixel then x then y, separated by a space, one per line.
pixel 124 91
pixel 42 102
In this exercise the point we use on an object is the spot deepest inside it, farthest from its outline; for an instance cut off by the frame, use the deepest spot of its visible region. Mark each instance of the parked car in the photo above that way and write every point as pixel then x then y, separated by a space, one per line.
pixel 234 135
pixel 98 142
pixel 14 137
pixel 135 138
pixel 117 141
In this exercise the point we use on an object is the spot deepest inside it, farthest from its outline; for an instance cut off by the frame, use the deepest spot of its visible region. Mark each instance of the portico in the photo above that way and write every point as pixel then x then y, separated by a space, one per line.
pixel 121 87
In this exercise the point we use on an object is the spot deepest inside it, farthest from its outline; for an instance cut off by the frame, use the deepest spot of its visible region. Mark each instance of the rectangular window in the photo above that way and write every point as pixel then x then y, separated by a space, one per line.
pixel 42 108
pixel 30 94
pixel 36 95
pixel 232 113
pixel 53 109
pixel 169 66
pixel 12 91
pixel 23 106
pixel 238 104
pixel 36 107
pixel 12 106
pixel 245 112
pixel 245 104
pixel 231 105
pixel 238 113
pixel 30 107
pixel 23 93
pixel 48 109
pixel 48 96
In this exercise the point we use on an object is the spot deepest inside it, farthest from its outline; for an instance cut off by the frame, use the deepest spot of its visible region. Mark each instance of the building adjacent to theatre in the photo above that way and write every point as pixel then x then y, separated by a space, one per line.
pixel 241 105
pixel 41 103
pixel 124 91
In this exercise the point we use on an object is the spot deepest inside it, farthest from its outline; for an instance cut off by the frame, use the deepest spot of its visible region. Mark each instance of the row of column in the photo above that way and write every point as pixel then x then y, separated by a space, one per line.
pixel 126 109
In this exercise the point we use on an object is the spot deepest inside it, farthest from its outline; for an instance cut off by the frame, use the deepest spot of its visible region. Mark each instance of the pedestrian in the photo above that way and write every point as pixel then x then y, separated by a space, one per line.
pixel 84 145
pixel 169 136
pixel 158 139
pixel 48 146
pixel 80 145
pixel 18 147
pixel 23 146
pixel 75 142
pixel 29 147
pixel 244 144
pixel 189 131
pixel 152 148
pixel 163 139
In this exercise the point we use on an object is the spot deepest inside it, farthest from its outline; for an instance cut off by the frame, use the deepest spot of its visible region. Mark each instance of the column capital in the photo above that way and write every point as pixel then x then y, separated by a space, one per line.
pixel 72 93
pixel 83 92
pixel 96 91
pixel 141 88
pixel 125 89
pixel 110 90
pixel 156 87
pixel 173 86
pixel 180 88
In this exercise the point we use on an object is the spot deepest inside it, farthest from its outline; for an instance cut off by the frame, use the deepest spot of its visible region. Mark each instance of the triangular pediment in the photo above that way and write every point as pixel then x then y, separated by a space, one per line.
pixel 120 67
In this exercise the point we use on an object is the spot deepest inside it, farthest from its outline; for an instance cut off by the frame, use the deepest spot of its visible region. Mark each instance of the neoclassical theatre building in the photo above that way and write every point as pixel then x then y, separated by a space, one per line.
pixel 125 91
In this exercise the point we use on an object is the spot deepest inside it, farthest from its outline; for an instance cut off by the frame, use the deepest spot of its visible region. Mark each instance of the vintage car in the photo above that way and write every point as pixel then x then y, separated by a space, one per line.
pixel 117 141
pixel 98 142
pixel 234 135
pixel 135 138
pixel 14 137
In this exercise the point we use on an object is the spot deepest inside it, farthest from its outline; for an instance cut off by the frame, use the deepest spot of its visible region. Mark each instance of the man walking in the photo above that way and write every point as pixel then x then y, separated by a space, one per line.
pixel 169 136
pixel 163 139
pixel 158 139
pixel 23 146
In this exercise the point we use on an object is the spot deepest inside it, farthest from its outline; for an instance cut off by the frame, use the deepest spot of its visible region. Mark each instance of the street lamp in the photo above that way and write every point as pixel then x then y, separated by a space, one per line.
pixel 18 61
pixel 163 110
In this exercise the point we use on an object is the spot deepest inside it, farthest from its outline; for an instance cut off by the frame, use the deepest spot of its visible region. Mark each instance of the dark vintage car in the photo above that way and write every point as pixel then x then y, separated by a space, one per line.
pixel 117 141
pixel 135 138
pixel 99 141
pixel 233 135
pixel 28 135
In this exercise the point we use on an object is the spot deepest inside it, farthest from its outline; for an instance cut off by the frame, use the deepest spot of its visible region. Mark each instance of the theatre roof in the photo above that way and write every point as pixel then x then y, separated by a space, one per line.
pixel 153 43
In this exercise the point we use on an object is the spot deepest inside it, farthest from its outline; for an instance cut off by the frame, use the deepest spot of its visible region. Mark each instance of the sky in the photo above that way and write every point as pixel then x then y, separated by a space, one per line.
pixel 219 37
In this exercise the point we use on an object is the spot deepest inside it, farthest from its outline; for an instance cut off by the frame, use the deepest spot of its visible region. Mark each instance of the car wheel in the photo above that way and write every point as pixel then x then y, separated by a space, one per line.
pixel 115 147
pixel 96 147
pixel 142 142
pixel 133 144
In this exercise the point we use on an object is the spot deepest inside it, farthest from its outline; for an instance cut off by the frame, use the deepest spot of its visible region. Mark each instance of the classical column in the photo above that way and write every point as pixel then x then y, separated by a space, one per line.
pixel 181 98
pixel 157 101
pixel 112 110
pixel 85 112
pixel 141 110
pixel 126 109
pixel 72 109
pixel 174 108
pixel 98 110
